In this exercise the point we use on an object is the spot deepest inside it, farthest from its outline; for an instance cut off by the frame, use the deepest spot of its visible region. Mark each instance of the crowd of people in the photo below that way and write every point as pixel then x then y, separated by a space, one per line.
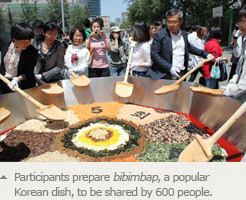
pixel 43 53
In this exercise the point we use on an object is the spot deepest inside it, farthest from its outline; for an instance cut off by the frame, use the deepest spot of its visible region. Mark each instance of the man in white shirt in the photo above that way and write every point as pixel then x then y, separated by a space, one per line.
pixel 170 49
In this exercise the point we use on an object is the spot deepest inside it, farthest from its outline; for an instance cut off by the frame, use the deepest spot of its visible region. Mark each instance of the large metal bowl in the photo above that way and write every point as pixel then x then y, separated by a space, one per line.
pixel 211 111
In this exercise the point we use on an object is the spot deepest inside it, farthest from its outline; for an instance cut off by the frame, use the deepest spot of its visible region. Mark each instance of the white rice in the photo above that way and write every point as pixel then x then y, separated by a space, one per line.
pixel 38 125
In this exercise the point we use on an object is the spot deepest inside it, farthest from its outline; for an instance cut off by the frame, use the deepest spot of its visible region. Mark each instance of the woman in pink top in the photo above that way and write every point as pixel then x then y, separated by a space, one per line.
pixel 98 44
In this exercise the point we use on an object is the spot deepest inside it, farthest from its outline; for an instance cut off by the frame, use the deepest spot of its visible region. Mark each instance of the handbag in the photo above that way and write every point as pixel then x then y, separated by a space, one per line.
pixel 215 71
pixel 223 71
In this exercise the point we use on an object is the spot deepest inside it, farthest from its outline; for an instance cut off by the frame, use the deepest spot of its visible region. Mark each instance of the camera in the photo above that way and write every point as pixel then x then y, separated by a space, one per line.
pixel 97 32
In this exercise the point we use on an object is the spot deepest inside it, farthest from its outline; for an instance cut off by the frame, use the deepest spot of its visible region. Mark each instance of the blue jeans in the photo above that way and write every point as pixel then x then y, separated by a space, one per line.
pixel 210 83
pixel 117 71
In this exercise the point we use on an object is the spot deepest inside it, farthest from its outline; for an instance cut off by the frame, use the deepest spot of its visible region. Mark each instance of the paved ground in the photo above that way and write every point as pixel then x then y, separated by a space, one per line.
pixel 226 53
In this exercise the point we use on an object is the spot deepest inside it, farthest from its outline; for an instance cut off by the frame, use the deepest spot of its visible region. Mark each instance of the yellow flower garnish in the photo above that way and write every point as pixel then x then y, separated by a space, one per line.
pixel 98 141
pixel 112 140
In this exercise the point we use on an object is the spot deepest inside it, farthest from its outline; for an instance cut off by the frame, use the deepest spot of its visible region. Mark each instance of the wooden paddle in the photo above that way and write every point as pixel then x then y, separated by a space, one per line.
pixel 124 89
pixel 51 111
pixel 79 81
pixel 207 91
pixel 170 88
pixel 4 113
pixel 52 89
pixel 200 150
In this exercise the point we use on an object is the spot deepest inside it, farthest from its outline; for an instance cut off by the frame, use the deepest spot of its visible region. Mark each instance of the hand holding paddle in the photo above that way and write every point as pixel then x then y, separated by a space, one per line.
pixel 170 88
pixel 51 111
pixel 124 89
pixel 200 150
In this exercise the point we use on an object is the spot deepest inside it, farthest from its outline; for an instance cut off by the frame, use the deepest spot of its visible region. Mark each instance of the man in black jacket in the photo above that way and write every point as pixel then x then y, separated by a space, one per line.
pixel 170 49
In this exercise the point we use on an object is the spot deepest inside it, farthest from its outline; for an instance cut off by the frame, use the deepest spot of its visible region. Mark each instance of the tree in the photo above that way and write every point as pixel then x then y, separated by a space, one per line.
pixel 1 21
pixel 5 22
pixel 126 24
pixel 201 11
pixel 29 11
pixel 112 24
pixel 1 17
pixel 77 15
pixel 147 10
pixel 10 18
pixel 54 11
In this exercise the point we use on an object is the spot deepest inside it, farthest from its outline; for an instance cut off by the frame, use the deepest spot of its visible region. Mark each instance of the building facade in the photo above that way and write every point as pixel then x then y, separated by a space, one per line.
pixel 94 6
pixel 123 16
pixel 33 1
pixel 106 22
pixel 117 21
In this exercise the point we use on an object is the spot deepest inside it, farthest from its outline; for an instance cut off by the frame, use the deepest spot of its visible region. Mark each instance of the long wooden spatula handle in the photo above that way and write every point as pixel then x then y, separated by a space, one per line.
pixel 20 91
pixel 222 130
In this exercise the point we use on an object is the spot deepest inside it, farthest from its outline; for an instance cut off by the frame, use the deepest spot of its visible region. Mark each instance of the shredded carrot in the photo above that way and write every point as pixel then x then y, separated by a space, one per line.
pixel 84 112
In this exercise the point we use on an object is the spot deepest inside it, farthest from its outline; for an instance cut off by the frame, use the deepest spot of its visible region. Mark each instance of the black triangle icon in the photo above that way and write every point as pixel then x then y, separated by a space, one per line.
pixel 3 177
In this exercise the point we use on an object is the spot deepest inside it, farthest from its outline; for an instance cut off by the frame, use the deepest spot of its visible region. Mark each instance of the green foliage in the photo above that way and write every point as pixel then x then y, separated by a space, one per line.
pixel 77 16
pixel 1 16
pixel 112 24
pixel 5 23
pixel 1 21
pixel 29 11
pixel 162 152
pixel 126 25
pixel 54 11
pixel 201 12
pixel 148 10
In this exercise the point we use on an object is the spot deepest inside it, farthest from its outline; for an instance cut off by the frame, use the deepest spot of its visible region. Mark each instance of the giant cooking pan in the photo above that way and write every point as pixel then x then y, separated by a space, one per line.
pixel 211 111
